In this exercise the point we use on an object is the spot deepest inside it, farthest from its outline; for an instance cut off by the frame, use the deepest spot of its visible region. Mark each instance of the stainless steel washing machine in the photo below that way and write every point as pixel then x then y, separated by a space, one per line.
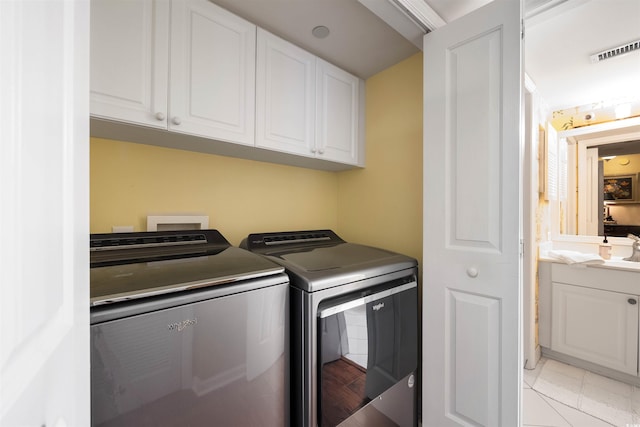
pixel 186 330
pixel 354 329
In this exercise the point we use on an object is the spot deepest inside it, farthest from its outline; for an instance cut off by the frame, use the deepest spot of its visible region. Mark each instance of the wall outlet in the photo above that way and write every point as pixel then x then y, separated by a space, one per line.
pixel 122 229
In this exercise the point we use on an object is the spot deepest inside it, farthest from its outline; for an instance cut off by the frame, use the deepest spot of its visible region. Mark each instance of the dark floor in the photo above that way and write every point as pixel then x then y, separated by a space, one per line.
pixel 343 391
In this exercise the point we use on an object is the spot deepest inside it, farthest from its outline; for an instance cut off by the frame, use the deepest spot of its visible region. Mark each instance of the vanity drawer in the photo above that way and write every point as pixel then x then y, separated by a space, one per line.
pixel 597 277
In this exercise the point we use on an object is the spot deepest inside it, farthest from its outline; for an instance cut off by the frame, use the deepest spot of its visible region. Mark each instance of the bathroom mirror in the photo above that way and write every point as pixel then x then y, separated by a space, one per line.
pixel 606 161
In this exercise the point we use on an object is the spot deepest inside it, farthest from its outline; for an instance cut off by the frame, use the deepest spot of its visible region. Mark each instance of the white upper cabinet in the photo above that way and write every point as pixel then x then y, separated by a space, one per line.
pixel 305 105
pixel 338 109
pixel 129 60
pixel 212 88
pixel 285 96
pixel 191 67
pixel 212 66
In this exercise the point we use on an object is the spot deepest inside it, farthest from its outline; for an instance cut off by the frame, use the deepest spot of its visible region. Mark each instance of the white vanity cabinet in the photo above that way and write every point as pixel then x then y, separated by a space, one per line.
pixel 305 105
pixel 588 316
pixel 596 325
pixel 187 66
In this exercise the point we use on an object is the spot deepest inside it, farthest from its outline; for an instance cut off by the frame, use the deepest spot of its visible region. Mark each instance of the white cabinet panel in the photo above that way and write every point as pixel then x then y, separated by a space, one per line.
pixel 337 114
pixel 212 67
pixel 596 326
pixel 285 96
pixel 129 60
pixel 212 72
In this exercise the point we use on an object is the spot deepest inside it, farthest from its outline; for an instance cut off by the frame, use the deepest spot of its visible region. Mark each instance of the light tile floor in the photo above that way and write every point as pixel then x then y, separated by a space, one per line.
pixel 551 399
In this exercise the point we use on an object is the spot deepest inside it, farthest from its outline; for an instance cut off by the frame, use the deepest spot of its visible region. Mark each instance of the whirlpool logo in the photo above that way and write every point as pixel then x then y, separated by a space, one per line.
pixel 378 306
pixel 180 326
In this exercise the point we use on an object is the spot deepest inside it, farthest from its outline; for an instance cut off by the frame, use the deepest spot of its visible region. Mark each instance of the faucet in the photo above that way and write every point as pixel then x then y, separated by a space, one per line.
pixel 635 256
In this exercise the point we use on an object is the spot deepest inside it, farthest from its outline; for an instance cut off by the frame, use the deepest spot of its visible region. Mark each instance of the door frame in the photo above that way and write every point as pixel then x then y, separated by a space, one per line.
pixel 530 183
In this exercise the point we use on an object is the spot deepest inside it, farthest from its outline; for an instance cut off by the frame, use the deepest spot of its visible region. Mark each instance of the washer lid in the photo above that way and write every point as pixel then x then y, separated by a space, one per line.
pixel 127 266
pixel 123 282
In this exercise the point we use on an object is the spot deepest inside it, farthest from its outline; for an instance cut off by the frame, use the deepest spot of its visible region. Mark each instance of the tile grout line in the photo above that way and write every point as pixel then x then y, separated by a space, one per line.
pixel 544 400
pixel 581 394
pixel 542 396
pixel 575 409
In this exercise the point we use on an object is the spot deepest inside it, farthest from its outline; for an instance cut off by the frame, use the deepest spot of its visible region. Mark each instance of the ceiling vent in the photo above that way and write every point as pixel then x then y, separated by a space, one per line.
pixel 616 51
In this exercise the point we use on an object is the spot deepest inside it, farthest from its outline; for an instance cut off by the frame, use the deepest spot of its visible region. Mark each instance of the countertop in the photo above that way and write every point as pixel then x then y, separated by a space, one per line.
pixel 615 263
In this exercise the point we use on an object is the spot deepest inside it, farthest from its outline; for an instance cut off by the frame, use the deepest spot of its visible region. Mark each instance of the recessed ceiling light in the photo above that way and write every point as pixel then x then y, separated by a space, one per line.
pixel 320 31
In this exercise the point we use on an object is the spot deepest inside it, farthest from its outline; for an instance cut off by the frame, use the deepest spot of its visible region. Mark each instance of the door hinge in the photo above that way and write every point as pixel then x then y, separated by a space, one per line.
pixel 521 247
pixel 522 29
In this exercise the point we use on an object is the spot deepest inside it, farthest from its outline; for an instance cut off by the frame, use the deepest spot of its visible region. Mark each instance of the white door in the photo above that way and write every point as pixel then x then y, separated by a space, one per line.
pixel 212 78
pixel 472 209
pixel 44 213
pixel 130 61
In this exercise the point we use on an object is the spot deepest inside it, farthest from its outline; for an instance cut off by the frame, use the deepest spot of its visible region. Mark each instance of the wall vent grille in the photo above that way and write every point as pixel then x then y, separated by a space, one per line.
pixel 616 51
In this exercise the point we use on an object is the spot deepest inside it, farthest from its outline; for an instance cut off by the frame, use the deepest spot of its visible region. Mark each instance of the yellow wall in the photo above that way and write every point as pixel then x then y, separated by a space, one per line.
pixel 591 114
pixel 381 205
pixel 130 181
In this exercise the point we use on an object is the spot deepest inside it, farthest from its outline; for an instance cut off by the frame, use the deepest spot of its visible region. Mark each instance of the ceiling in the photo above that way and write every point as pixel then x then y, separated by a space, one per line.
pixel 558 47
pixel 558 42
pixel 619 148
pixel 359 41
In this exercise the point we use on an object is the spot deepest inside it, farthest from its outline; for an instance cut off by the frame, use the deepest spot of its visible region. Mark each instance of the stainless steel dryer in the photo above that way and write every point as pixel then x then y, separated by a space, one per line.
pixel 186 330
pixel 354 329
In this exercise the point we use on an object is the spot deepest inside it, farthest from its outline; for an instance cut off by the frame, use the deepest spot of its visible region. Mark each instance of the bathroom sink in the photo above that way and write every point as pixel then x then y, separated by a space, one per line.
pixel 619 263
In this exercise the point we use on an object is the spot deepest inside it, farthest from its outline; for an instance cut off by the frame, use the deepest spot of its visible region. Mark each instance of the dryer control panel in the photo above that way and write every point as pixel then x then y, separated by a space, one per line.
pixel 264 242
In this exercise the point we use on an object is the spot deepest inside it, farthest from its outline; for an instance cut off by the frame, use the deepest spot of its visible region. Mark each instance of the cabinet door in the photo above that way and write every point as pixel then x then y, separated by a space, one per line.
pixel 129 60
pixel 337 114
pixel 212 72
pixel 596 326
pixel 285 96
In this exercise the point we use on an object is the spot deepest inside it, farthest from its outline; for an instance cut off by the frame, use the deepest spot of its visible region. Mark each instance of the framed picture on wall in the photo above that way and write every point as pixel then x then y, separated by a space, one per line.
pixel 620 188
